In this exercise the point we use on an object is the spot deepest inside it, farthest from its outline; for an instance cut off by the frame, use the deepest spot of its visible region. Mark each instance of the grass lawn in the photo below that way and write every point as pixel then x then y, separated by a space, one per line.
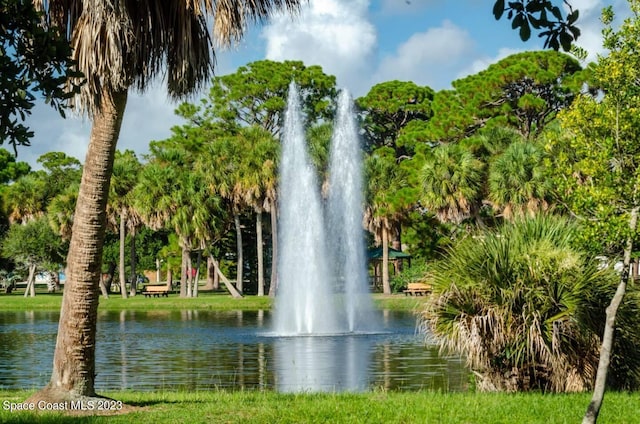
pixel 371 407
pixel 205 301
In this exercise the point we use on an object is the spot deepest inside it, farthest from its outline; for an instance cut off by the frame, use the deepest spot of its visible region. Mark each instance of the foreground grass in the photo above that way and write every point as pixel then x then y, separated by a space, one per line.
pixel 371 407
pixel 205 301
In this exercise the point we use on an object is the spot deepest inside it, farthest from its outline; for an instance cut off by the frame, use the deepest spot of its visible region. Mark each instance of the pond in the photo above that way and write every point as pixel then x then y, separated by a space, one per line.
pixel 201 350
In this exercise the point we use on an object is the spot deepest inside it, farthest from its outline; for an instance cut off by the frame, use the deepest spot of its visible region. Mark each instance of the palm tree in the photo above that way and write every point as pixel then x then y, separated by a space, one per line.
pixel 60 211
pixel 26 199
pixel 255 181
pixel 120 45
pixel 526 308
pixel 518 181
pixel 171 193
pixel 120 211
pixel 387 201
pixel 452 181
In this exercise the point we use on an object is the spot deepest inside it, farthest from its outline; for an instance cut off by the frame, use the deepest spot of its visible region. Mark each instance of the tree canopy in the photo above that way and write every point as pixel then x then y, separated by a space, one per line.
pixel 524 91
pixel 34 59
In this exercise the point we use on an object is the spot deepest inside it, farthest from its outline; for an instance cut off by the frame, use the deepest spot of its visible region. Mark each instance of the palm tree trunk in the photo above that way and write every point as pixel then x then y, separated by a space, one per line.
pixel 183 271
pixel 240 264
pixel 74 370
pixel 169 278
pixel 386 287
pixel 259 250
pixel 103 288
pixel 593 410
pixel 194 291
pixel 211 272
pixel 30 289
pixel 121 270
pixel 234 293
pixel 274 250
pixel 134 276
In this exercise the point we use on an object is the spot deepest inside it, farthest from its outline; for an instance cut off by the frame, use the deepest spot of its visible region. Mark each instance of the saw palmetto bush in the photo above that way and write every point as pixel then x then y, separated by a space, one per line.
pixel 527 310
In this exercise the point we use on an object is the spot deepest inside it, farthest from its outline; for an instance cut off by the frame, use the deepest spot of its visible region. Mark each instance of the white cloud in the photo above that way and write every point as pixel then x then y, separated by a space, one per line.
pixel 335 34
pixel 428 58
pixel 148 116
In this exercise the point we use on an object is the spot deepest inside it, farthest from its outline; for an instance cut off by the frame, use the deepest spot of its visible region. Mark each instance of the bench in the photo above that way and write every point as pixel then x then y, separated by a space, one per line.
pixel 417 289
pixel 155 291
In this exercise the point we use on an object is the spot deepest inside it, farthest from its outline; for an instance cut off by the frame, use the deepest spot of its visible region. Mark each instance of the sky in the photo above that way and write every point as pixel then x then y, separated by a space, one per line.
pixel 361 42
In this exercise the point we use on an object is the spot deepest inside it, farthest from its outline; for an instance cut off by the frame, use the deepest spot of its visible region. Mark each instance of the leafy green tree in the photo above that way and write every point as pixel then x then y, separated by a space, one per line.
pixel 256 95
pixel 10 170
pixel 525 308
pixel 30 195
pixel 34 58
pixel 524 91
pixel 394 115
pixel 34 245
pixel 119 46
pixel 545 16
pixel 61 171
pixel 388 108
pixel 596 160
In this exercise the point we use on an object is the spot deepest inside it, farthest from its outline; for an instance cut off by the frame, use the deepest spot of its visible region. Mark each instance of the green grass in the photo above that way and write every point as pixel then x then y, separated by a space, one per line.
pixel 205 301
pixel 370 407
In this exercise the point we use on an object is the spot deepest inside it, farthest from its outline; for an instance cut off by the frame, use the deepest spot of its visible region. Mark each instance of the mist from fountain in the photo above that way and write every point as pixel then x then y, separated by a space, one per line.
pixel 322 278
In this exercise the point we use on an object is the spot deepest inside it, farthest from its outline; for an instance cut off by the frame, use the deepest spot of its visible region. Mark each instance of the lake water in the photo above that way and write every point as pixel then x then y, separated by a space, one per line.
pixel 202 350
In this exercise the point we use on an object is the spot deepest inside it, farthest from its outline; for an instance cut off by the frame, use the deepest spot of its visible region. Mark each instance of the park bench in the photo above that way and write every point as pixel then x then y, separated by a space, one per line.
pixel 155 291
pixel 417 289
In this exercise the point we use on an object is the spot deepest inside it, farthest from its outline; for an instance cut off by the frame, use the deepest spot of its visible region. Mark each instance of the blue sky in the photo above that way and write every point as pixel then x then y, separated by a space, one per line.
pixel 361 42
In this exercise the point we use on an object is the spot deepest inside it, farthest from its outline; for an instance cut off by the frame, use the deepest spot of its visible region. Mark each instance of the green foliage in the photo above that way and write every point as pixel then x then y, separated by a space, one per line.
pixel 451 180
pixel 524 91
pixel 33 59
pixel 425 237
pixel 34 243
pixel 389 196
pixel 519 183
pixel 594 154
pixel 544 16
pixel 256 95
pixel 390 107
pixel 416 273
pixel 319 140
pixel 527 308
pixel 10 170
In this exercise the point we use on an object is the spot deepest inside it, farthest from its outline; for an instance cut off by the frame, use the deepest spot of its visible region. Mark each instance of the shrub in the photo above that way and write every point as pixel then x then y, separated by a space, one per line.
pixel 527 309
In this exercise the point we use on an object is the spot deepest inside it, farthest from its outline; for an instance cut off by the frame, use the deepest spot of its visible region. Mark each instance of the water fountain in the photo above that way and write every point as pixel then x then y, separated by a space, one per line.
pixel 322 278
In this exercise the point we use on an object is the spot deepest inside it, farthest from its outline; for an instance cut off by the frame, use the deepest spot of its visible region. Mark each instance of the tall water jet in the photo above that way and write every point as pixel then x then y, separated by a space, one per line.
pixel 303 295
pixel 344 217
pixel 313 297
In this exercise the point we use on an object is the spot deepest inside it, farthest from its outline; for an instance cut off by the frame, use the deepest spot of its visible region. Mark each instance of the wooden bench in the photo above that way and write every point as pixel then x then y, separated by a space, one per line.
pixel 417 289
pixel 155 291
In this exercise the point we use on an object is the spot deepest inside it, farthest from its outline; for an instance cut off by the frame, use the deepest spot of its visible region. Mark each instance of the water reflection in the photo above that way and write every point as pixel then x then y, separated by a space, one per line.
pixel 322 364
pixel 198 350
